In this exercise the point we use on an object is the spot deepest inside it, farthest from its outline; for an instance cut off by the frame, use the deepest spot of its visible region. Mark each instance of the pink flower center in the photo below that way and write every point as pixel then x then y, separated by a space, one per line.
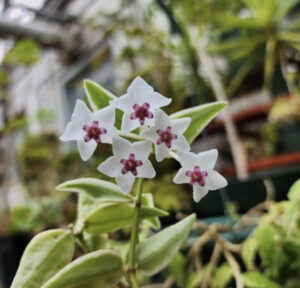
pixel 166 136
pixel 197 176
pixel 93 132
pixel 130 165
pixel 141 112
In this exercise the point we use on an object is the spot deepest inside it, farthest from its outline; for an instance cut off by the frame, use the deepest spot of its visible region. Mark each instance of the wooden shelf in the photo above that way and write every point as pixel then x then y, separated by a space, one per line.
pixel 267 163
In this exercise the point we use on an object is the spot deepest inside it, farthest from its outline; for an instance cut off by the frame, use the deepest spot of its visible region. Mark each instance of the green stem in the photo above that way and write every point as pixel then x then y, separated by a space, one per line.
pixel 270 60
pixel 135 236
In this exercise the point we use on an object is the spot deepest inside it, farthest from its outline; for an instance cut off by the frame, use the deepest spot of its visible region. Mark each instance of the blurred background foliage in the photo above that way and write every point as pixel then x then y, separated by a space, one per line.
pixel 254 46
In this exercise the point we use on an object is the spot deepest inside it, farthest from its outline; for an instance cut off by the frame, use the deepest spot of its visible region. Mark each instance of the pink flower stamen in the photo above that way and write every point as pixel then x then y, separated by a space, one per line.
pixel 166 136
pixel 93 132
pixel 141 112
pixel 130 165
pixel 197 176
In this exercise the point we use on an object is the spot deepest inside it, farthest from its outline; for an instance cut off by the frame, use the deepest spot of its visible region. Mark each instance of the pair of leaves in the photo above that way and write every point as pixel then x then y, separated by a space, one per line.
pixel 201 115
pixel 45 263
pixel 103 207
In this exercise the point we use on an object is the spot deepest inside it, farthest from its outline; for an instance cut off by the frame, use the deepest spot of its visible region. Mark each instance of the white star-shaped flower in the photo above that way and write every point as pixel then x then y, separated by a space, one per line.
pixel 89 128
pixel 166 134
pixel 130 160
pixel 197 170
pixel 139 104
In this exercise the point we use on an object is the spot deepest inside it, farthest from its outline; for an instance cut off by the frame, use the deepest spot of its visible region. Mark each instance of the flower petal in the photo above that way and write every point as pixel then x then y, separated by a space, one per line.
pixel 207 159
pixel 180 125
pixel 105 117
pixel 74 131
pixel 199 192
pixel 157 100
pixel 125 181
pixel 110 167
pixel 180 144
pixel 180 177
pixel 139 88
pixel 142 149
pixel 187 159
pixel 129 124
pixel 123 103
pixel 162 120
pixel 146 170
pixel 107 137
pixel 121 147
pixel 161 152
pixel 215 180
pixel 149 133
pixel 86 149
pixel 81 113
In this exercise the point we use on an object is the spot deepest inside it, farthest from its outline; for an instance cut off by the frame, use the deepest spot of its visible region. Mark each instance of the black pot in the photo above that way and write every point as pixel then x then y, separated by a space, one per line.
pixel 11 250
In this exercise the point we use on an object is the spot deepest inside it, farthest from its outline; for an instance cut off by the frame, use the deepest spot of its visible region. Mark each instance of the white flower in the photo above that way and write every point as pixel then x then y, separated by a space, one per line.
pixel 139 104
pixel 130 160
pixel 166 134
pixel 197 170
pixel 89 128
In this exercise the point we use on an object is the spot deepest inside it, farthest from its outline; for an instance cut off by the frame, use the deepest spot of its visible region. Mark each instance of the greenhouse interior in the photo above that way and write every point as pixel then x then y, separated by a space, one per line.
pixel 150 144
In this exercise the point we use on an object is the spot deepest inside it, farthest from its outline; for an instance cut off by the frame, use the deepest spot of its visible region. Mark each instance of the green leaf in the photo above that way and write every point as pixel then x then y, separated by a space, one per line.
pixel 112 216
pixel 178 269
pixel 283 7
pixel 93 242
pixel 44 256
pixel 156 252
pixel 265 238
pixel 294 192
pixel 147 200
pixel 200 115
pixel 195 278
pixel 249 252
pixel 98 96
pixel 222 276
pixel 101 268
pixel 257 280
pixel 292 216
pixel 101 190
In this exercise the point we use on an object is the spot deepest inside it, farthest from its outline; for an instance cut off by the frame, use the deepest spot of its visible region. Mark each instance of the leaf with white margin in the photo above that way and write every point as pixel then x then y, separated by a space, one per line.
pixel 112 216
pixel 99 189
pixel 102 266
pixel 99 98
pixel 147 200
pixel 156 252
pixel 92 192
pixel 200 115
pixel 45 255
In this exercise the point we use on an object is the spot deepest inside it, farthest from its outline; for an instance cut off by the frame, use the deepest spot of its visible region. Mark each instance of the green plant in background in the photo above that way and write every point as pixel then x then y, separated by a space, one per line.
pixel 286 109
pixel 270 137
pixel 25 52
pixel 266 25
pixel 251 33
pixel 103 207
pixel 269 257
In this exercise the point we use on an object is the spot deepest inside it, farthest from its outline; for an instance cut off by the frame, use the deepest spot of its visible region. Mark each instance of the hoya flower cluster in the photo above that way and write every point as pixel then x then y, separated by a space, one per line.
pixel 141 106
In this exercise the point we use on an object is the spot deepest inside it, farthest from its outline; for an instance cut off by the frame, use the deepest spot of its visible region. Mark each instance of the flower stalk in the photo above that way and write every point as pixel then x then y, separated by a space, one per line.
pixel 134 236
